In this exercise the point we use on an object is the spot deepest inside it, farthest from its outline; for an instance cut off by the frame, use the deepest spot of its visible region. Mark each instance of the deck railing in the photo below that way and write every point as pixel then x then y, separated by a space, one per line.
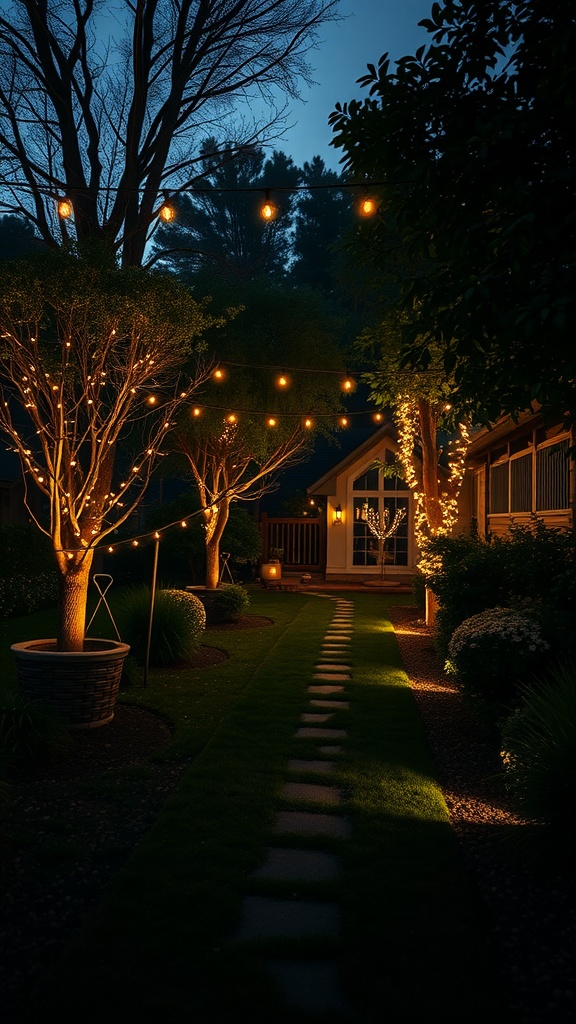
pixel 302 541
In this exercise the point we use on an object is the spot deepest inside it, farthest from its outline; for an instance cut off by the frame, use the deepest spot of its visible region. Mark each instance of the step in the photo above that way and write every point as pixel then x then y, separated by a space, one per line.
pixel 312 823
pixel 311 791
pixel 299 865
pixel 267 918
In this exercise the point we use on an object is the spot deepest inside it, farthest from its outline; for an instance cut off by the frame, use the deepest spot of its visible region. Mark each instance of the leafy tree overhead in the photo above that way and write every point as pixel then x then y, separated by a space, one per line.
pixel 111 107
pixel 218 225
pixel 475 137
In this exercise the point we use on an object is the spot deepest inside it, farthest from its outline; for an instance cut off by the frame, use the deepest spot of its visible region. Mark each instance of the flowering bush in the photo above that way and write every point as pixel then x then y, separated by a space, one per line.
pixel 493 652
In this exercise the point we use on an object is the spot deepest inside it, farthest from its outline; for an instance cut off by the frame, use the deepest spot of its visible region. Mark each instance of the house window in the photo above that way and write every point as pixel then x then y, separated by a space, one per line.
pixel 366 546
pixel 530 481
pixel 552 477
pixel 521 483
pixel 499 488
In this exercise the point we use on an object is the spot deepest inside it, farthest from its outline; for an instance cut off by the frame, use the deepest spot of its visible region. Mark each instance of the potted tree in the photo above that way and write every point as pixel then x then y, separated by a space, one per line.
pixel 91 376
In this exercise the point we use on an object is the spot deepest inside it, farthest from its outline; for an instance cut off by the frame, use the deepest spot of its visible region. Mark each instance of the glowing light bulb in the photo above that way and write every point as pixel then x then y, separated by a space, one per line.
pixel 308 423
pixel 367 207
pixel 167 213
pixel 64 208
pixel 271 421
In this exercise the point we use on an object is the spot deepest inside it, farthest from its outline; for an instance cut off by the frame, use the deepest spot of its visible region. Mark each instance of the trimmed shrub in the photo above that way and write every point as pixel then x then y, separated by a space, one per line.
pixel 178 622
pixel 228 601
pixel 531 569
pixel 494 652
pixel 539 753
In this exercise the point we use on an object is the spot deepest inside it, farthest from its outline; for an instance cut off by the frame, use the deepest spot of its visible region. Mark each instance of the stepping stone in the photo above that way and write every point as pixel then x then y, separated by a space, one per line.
pixel 311 791
pixel 296 765
pixel 336 704
pixel 330 751
pixel 311 823
pixel 313 718
pixel 311 987
pixel 325 689
pixel 299 865
pixel 333 676
pixel 264 918
pixel 327 666
pixel 311 733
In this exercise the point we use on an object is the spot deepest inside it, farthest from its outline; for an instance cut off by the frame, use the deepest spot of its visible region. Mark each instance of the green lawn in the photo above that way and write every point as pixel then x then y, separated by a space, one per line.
pixel 414 941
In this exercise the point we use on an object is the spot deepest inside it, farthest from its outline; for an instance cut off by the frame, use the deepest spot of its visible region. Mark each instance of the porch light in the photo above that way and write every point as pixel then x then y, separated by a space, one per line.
pixel 337 517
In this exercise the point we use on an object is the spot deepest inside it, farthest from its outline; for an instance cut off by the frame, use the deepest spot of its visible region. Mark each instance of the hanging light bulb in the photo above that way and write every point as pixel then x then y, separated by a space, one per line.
pixel 167 213
pixel 268 210
pixel 65 209
pixel 219 374
pixel 367 206
pixel 196 411
pixel 232 418
pixel 283 381
pixel 348 385
pixel 272 421
pixel 308 423
pixel 343 421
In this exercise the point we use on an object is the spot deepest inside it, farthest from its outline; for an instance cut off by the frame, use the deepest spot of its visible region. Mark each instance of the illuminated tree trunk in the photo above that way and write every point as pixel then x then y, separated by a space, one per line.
pixel 214 530
pixel 428 431
pixel 73 583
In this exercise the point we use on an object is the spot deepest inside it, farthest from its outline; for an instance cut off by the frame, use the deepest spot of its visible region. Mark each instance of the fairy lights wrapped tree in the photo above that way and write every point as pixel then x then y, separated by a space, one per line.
pixel 91 367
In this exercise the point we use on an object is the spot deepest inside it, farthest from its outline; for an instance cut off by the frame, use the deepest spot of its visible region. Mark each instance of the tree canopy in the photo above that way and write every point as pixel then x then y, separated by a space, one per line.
pixel 111 107
pixel 474 136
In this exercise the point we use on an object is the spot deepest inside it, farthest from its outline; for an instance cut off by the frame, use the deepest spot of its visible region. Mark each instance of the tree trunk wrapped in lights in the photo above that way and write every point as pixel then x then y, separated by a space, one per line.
pixel 91 365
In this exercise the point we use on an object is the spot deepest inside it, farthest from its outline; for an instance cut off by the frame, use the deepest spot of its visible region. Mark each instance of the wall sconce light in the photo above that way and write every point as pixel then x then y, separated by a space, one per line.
pixel 337 517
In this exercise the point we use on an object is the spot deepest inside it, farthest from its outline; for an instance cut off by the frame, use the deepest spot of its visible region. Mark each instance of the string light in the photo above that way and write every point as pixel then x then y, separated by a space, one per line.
pixel 64 207
pixel 167 213
pixel 268 210
pixel 367 206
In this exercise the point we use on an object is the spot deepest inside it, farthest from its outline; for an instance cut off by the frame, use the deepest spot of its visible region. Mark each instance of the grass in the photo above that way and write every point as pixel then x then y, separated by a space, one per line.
pixel 414 940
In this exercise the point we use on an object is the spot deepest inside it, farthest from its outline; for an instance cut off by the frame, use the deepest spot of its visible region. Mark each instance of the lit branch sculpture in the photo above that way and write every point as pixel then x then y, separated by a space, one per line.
pixel 378 522
pixel 91 365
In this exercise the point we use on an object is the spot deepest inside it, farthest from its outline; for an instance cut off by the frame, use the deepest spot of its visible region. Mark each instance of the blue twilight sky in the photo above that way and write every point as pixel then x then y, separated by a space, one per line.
pixel 369 29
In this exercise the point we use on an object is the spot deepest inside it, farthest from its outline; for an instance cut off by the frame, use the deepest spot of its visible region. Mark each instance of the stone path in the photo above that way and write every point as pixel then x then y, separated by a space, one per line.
pixel 312 806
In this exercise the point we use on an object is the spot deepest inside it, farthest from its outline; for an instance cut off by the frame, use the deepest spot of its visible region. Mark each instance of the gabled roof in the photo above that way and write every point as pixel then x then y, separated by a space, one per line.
pixel 327 483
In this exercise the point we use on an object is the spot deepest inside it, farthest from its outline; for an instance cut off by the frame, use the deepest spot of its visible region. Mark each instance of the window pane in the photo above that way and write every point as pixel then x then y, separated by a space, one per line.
pixel 499 488
pixel 365 544
pixel 552 477
pixel 521 484
pixel 367 482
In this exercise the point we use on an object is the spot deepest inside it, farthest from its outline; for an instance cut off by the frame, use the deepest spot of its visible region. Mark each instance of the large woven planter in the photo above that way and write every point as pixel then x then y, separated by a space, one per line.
pixel 81 685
